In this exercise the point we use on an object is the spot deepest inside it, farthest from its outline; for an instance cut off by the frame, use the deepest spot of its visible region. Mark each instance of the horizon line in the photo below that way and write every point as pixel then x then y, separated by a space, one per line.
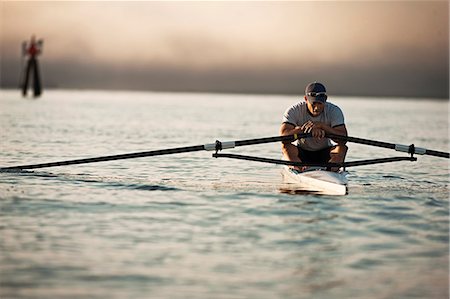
pixel 369 96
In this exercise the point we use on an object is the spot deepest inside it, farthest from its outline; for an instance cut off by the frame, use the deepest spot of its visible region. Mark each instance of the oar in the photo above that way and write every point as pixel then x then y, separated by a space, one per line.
pixel 208 147
pixel 398 147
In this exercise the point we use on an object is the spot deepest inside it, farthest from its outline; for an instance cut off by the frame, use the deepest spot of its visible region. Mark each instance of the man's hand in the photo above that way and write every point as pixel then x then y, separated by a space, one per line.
pixel 313 128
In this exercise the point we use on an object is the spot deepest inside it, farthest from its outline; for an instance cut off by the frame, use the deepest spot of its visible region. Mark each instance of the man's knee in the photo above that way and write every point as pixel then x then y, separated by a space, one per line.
pixel 289 149
pixel 340 148
pixel 287 146
pixel 343 147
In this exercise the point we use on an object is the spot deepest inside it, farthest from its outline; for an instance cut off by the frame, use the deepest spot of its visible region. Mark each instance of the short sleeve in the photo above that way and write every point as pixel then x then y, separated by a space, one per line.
pixel 291 115
pixel 337 117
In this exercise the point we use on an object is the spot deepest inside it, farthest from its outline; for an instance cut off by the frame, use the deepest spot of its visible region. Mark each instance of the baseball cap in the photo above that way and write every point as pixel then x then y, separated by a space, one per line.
pixel 316 92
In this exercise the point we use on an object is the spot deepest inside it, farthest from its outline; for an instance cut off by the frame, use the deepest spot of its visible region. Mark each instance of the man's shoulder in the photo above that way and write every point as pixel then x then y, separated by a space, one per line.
pixel 332 107
pixel 298 105
pixel 330 104
pixel 295 114
pixel 334 114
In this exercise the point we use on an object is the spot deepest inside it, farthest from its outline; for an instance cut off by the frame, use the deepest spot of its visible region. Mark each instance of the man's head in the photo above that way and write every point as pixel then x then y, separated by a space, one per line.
pixel 315 97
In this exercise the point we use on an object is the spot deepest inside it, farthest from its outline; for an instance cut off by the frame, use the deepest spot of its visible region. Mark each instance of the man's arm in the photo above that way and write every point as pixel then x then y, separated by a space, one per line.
pixel 317 129
pixel 288 149
pixel 289 129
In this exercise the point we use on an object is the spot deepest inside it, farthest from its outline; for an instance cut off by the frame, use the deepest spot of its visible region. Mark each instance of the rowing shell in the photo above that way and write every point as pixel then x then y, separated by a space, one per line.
pixel 316 180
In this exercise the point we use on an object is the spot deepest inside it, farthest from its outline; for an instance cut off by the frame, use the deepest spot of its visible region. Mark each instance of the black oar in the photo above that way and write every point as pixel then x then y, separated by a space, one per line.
pixel 209 147
pixel 398 147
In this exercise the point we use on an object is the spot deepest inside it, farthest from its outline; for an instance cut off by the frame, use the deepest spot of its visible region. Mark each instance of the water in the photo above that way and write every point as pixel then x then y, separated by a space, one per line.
pixel 191 226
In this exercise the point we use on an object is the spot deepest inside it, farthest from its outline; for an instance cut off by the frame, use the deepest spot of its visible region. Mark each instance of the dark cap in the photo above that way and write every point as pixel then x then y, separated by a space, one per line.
pixel 316 92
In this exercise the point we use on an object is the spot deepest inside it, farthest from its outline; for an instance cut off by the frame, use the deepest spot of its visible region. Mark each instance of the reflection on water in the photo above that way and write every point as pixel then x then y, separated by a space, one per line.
pixel 189 225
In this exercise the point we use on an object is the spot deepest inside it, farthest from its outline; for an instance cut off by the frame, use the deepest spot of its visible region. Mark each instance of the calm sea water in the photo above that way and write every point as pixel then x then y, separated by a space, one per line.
pixel 191 226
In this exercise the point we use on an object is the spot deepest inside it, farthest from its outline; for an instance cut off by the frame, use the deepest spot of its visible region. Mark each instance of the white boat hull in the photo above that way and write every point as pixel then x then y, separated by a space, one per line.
pixel 317 181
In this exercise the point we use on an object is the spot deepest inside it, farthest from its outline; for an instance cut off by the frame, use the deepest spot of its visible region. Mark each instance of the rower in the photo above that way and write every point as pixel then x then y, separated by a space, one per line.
pixel 316 116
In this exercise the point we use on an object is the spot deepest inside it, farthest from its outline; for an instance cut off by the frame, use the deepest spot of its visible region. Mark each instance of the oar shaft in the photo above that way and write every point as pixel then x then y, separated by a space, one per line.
pixel 398 147
pixel 437 154
pixel 362 141
pixel 110 158
pixel 271 139
pixel 213 146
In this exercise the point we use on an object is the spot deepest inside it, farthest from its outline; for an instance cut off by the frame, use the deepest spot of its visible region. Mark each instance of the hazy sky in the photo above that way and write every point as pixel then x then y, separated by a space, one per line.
pixel 355 48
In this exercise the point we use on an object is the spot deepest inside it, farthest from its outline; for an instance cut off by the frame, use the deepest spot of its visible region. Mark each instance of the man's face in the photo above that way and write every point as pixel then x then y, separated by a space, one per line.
pixel 315 108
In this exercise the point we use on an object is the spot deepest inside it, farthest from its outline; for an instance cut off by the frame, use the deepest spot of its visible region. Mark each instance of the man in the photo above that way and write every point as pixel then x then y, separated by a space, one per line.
pixel 32 50
pixel 316 116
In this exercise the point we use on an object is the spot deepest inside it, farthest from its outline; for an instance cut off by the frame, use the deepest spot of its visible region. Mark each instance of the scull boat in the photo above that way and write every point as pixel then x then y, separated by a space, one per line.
pixel 315 180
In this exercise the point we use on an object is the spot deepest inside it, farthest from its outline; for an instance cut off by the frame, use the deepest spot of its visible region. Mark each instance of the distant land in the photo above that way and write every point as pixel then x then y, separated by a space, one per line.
pixel 339 82
pixel 299 94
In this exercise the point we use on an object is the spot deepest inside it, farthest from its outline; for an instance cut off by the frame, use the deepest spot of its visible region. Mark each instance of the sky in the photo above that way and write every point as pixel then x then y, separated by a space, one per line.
pixel 356 48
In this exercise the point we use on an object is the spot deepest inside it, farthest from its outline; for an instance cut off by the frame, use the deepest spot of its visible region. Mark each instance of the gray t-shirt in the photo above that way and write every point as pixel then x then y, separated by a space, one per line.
pixel 298 114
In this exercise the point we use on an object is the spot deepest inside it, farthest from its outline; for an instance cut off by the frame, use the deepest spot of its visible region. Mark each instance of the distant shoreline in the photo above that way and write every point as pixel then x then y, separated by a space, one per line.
pixel 367 96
